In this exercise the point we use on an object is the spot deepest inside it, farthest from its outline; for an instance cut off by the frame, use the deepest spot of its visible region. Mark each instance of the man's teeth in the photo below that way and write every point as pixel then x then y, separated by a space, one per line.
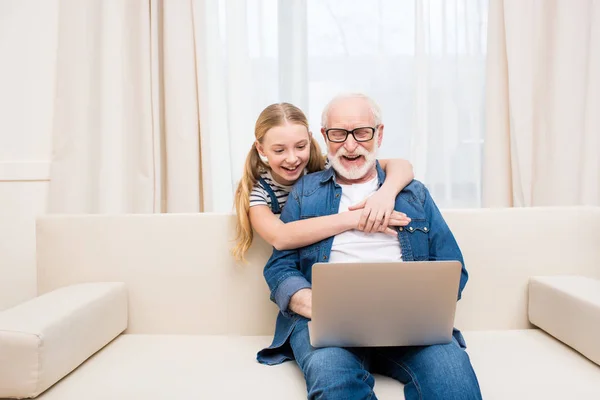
pixel 352 157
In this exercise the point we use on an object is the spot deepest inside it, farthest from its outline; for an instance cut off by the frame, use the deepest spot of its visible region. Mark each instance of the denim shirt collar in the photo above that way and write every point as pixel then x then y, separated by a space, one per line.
pixel 329 174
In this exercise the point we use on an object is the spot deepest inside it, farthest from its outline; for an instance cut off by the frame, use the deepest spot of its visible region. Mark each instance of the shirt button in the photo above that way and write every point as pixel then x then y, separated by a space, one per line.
pixel 410 228
pixel 337 195
pixel 425 229
pixel 401 229
pixel 324 257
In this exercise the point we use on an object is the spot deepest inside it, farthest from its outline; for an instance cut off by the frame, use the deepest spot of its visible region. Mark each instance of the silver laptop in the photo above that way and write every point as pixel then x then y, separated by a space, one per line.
pixel 383 304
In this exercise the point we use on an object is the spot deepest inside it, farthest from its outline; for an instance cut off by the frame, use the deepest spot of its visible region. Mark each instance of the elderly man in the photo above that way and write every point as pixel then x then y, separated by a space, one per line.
pixel 353 131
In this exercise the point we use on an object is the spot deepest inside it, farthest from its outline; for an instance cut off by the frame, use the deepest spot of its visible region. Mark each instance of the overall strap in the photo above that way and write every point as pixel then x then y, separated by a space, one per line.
pixel 274 203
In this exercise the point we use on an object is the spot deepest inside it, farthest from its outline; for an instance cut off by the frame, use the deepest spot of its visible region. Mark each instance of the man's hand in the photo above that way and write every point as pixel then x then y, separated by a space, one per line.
pixel 378 213
pixel 301 303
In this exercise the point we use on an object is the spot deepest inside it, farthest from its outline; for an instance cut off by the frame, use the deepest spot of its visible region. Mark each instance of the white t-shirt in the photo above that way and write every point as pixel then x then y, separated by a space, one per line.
pixel 357 246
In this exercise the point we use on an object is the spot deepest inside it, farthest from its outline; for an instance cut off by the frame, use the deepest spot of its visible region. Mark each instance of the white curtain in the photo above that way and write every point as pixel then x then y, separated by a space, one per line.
pixel 126 132
pixel 134 78
pixel 543 104
pixel 423 61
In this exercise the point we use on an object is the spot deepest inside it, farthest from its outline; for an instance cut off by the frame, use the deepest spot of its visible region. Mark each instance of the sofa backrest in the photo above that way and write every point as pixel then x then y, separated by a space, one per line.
pixel 182 279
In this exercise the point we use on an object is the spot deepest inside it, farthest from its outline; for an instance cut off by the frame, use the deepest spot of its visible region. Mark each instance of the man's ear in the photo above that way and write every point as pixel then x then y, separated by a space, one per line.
pixel 324 135
pixel 380 137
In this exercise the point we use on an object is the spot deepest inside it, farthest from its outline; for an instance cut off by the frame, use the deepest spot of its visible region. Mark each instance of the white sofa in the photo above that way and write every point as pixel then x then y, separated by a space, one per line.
pixel 153 307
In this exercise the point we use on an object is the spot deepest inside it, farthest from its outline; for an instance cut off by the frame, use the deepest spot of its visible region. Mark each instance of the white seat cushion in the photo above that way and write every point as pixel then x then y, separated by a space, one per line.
pixel 525 364
pixel 189 367
pixel 530 364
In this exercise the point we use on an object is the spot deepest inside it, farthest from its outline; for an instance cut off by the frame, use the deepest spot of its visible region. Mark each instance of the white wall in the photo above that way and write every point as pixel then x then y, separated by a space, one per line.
pixel 28 33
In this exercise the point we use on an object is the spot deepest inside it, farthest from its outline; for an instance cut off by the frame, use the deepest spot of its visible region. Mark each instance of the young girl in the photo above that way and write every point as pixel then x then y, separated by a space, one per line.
pixel 284 151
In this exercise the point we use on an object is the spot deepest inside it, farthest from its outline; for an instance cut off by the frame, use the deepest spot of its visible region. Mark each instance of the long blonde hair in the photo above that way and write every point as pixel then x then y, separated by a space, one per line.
pixel 274 115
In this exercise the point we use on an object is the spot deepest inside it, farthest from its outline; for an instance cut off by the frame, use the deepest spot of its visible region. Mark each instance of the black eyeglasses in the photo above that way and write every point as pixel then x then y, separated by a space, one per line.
pixel 338 135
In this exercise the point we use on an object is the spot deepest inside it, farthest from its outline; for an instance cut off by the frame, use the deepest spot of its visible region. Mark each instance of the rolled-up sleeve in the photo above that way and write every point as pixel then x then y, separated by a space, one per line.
pixel 287 289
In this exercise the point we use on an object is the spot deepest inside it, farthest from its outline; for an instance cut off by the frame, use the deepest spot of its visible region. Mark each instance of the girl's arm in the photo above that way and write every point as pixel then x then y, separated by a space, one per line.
pixel 378 208
pixel 398 174
pixel 304 232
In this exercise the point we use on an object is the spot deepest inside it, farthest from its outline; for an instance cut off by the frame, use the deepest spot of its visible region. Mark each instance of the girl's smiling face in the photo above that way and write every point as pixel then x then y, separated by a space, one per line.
pixel 287 149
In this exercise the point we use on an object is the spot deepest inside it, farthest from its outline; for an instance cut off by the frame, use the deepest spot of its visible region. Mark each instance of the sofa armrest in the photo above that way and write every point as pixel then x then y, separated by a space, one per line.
pixel 568 308
pixel 46 338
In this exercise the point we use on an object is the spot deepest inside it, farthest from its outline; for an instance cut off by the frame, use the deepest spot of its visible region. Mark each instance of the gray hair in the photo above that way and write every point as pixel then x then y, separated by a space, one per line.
pixel 375 110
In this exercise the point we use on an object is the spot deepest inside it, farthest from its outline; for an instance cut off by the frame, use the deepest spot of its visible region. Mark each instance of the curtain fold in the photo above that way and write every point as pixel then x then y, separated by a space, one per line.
pixel 542 143
pixel 181 162
pixel 126 129
pixel 447 105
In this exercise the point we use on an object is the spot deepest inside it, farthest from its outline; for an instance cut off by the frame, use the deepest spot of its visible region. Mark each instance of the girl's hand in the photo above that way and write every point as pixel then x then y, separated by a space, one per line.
pixel 377 210
pixel 396 219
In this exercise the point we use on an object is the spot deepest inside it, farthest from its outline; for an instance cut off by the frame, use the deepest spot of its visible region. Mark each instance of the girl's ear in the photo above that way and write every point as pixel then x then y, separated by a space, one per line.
pixel 261 152
pixel 259 148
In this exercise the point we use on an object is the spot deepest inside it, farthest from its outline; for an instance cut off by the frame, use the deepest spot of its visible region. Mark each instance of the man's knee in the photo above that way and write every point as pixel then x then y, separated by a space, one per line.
pixel 446 371
pixel 336 373
pixel 330 359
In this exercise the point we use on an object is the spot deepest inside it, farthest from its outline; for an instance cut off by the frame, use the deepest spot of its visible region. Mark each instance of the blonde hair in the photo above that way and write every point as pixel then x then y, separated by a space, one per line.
pixel 274 115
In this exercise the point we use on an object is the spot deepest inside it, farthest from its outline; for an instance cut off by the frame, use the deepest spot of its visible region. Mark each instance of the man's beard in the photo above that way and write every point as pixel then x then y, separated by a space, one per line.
pixel 354 172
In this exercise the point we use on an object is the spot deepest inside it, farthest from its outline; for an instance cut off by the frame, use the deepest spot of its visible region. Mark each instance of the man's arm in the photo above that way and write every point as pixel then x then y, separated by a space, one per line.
pixel 442 244
pixel 290 289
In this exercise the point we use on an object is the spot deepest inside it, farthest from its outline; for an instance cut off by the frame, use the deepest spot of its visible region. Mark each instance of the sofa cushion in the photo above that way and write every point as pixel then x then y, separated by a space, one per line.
pixel 47 337
pixel 523 364
pixel 177 254
pixel 568 308
pixel 530 364
pixel 188 367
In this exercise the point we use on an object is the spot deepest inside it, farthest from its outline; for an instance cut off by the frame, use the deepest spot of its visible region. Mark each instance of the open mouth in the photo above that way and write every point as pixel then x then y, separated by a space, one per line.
pixel 352 159
pixel 290 169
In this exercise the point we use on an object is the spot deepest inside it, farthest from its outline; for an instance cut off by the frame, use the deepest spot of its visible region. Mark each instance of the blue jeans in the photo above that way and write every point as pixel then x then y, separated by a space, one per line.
pixel 428 372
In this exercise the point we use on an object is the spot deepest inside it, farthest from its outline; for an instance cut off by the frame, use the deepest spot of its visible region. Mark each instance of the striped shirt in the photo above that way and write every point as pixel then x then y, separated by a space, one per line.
pixel 260 197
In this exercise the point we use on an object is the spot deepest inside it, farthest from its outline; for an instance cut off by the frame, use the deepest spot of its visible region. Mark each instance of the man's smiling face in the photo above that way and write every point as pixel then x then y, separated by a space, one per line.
pixel 352 160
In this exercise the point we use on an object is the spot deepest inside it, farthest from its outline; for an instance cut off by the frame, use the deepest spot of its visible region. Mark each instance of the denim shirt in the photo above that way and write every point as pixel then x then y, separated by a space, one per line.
pixel 427 237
